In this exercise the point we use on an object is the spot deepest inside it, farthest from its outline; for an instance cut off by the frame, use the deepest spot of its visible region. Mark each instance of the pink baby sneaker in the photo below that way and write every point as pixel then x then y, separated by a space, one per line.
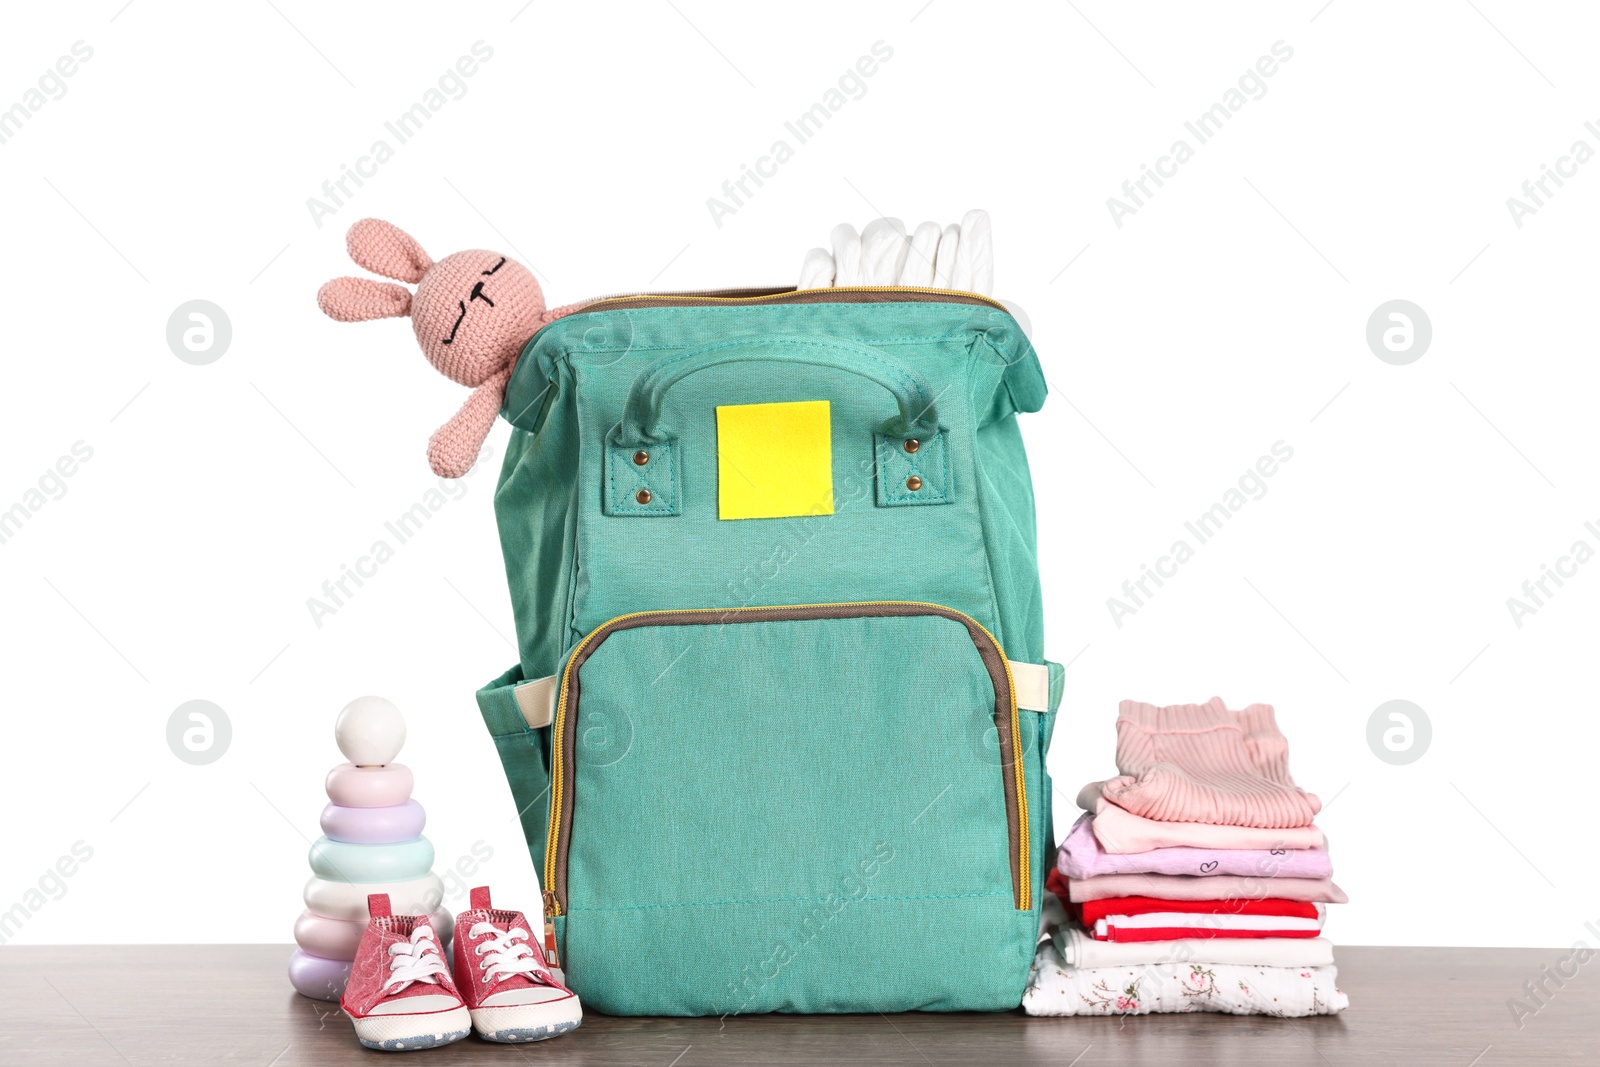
pixel 400 995
pixel 502 973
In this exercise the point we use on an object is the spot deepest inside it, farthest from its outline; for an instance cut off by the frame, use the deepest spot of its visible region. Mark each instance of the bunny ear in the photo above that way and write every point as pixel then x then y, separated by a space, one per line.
pixel 360 299
pixel 386 249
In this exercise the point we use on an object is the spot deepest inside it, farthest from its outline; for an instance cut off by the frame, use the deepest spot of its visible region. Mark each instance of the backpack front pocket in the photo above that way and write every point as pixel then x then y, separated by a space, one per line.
pixel 747 804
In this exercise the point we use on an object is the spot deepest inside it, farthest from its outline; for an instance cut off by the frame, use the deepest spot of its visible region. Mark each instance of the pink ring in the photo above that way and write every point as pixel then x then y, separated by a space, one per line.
pixel 387 786
pixel 317 978
pixel 329 939
pixel 374 826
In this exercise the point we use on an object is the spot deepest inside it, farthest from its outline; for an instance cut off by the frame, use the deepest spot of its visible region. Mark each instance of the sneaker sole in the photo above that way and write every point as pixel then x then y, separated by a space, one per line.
pixel 518 1023
pixel 405 1033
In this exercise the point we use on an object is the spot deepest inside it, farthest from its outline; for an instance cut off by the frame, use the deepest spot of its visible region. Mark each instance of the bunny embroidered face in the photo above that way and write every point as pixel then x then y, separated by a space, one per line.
pixel 472 313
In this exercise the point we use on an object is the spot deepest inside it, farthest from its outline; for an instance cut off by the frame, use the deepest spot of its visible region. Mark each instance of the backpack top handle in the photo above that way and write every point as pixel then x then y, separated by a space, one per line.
pixel 636 490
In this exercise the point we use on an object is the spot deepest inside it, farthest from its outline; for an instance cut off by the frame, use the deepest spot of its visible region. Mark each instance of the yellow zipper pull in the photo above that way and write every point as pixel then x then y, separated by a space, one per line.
pixel 551 954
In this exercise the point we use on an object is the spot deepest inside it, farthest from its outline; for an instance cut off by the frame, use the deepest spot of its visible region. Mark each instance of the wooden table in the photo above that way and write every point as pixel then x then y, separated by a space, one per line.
pixel 231 1004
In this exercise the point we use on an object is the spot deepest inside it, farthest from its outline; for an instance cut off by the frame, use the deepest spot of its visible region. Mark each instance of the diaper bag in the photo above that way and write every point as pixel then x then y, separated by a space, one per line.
pixel 778 728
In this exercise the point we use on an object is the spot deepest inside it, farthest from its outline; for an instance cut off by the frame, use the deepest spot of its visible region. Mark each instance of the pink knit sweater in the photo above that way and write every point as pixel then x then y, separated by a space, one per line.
pixel 1203 763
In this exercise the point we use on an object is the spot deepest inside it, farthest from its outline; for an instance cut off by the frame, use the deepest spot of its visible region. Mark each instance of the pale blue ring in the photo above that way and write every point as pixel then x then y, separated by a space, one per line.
pixel 340 861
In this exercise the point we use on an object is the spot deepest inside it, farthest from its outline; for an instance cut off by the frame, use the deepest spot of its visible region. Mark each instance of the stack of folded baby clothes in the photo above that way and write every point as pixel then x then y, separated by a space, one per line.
pixel 1195 881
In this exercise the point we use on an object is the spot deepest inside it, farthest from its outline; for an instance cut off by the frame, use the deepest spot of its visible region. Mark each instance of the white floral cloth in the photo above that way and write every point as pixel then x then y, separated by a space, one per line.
pixel 1055 988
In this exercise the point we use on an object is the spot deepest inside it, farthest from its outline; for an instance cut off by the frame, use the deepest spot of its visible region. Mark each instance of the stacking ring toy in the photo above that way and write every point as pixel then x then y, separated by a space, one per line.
pixel 339 861
pixel 318 978
pixel 350 786
pixel 341 900
pixel 373 826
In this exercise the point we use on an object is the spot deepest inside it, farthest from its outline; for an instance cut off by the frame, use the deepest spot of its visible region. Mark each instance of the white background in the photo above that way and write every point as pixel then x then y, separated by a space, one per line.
pixel 1227 314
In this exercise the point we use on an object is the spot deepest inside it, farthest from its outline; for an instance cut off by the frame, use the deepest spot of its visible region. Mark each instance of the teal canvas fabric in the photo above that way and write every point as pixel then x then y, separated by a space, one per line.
pixel 796 815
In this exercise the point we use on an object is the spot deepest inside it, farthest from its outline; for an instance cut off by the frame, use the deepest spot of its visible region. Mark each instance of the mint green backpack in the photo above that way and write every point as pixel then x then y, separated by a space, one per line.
pixel 778 732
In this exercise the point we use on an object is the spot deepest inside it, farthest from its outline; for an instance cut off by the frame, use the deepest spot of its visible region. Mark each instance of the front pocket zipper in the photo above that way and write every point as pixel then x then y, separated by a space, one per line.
pixel 1007 725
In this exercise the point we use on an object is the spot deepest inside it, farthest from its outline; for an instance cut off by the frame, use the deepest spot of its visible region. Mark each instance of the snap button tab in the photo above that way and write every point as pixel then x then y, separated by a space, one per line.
pixel 643 496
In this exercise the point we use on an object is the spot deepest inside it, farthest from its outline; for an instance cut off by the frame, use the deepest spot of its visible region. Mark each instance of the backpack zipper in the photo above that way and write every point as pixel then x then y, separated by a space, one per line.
pixel 555 872
pixel 854 294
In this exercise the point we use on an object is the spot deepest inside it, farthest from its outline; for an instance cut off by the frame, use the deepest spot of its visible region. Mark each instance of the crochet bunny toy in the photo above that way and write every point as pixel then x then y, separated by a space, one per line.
pixel 472 313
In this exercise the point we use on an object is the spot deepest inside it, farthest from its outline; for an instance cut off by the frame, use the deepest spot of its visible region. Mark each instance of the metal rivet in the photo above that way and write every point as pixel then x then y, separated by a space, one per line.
pixel 641 457
pixel 913 444
pixel 913 483
pixel 643 496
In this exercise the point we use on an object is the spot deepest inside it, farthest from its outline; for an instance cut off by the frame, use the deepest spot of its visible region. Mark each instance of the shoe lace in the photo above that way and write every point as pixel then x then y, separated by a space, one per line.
pixel 506 953
pixel 416 959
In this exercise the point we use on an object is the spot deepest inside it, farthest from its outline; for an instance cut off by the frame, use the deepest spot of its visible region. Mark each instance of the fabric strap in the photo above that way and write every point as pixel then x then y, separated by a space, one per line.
pixel 536 699
pixel 1032 683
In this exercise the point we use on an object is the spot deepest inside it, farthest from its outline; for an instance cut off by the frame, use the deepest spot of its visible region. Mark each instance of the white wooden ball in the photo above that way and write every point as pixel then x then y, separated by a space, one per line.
pixel 370 731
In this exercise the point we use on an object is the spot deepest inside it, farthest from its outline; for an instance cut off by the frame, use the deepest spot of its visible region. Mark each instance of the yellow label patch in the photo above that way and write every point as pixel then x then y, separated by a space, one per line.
pixel 774 460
